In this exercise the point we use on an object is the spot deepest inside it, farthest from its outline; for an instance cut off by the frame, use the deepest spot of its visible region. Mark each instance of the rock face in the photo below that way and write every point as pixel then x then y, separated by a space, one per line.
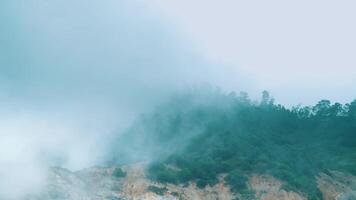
pixel 98 183
pixel 268 188
pixel 337 185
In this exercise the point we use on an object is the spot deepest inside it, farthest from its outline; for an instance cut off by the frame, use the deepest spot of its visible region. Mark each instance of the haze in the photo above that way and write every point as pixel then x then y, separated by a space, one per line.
pixel 301 51
pixel 74 73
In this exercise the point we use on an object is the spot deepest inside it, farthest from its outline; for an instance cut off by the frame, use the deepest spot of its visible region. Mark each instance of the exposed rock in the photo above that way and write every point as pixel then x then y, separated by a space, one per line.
pixel 135 186
pixel 98 183
pixel 269 188
pixel 336 185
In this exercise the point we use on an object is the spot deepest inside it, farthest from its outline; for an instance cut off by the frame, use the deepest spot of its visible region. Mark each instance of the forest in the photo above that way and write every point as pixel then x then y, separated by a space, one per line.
pixel 198 135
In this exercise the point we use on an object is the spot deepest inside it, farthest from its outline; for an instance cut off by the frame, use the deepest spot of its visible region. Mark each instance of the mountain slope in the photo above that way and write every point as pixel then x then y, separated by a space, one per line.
pixel 202 134
pixel 101 183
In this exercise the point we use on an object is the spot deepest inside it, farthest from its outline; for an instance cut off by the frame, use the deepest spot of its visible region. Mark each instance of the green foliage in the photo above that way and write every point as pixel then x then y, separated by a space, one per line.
pixel 118 173
pixel 216 133
pixel 176 194
pixel 157 190
pixel 237 180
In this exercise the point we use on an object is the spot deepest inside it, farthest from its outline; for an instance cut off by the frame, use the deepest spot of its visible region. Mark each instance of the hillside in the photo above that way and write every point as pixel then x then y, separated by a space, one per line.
pixel 200 135
pixel 208 145
pixel 102 183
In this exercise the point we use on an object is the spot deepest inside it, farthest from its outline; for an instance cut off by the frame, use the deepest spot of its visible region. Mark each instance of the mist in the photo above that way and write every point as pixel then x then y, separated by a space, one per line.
pixel 73 74
pixel 77 75
pixel 300 51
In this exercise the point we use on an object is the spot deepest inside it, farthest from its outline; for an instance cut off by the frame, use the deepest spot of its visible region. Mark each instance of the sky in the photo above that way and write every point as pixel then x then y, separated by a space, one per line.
pixel 301 51
pixel 74 73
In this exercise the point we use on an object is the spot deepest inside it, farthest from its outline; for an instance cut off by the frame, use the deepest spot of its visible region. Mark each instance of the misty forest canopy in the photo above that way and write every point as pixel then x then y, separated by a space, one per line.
pixel 201 134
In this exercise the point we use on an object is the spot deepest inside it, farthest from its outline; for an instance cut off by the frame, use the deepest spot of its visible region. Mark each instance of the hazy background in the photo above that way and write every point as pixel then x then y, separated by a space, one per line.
pixel 73 73
pixel 299 50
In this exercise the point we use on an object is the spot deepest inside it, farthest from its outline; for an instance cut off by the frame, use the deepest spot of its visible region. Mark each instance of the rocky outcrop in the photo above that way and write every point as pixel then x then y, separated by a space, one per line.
pixel 136 186
pixel 336 185
pixel 268 188
pixel 98 183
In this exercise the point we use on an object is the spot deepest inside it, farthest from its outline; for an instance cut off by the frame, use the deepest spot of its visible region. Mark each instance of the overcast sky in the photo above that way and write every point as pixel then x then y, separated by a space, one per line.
pixel 301 51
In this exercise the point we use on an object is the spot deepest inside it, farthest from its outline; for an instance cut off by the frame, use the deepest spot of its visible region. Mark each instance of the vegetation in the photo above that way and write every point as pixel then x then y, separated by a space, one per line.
pixel 207 132
pixel 157 190
pixel 118 173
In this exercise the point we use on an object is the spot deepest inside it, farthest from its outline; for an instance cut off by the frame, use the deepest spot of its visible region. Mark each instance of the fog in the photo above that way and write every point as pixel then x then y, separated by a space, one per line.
pixel 301 51
pixel 73 74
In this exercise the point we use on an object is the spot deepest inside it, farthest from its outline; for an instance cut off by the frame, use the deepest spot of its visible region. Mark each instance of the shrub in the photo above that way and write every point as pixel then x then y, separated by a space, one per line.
pixel 158 190
pixel 118 173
